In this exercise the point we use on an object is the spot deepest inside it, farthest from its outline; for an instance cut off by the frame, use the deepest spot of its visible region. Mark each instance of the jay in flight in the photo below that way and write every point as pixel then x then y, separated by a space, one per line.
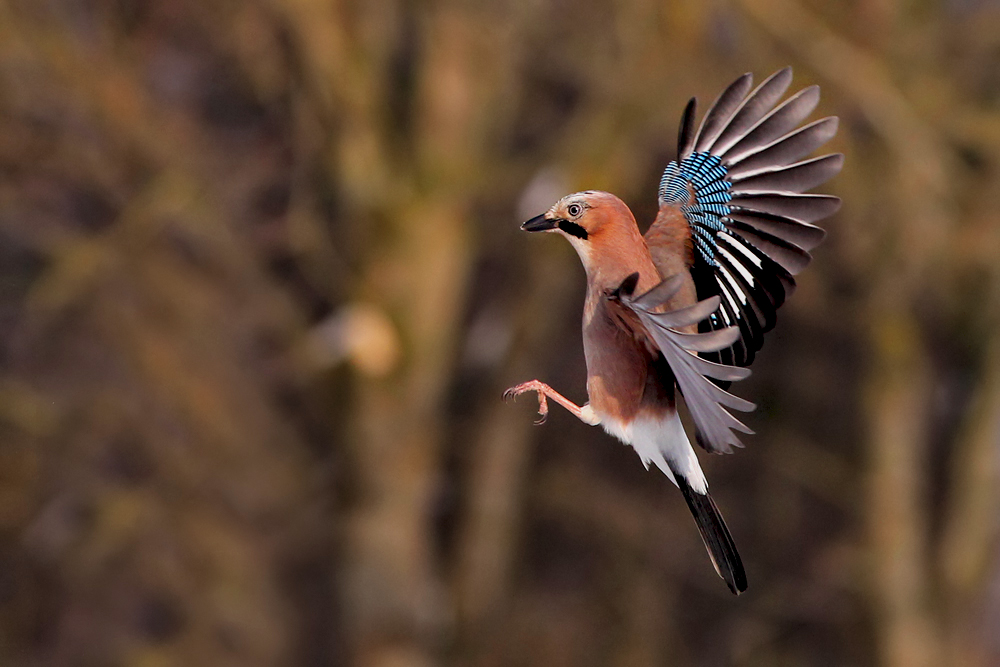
pixel 684 308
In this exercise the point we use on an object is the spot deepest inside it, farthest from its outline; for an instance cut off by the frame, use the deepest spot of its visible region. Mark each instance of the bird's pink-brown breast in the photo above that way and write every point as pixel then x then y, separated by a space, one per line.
pixel 617 365
pixel 623 377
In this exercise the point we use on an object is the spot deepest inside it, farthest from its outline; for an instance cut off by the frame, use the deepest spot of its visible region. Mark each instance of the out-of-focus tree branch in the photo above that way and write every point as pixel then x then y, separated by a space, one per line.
pixel 897 400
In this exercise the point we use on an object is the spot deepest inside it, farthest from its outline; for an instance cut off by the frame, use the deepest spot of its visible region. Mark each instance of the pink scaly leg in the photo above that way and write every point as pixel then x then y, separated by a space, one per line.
pixel 584 413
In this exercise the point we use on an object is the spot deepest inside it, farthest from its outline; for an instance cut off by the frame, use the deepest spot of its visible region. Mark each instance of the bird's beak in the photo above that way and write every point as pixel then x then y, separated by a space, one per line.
pixel 539 224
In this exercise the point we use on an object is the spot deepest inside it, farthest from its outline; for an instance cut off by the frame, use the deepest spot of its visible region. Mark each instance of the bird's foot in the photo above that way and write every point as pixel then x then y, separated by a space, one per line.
pixel 536 386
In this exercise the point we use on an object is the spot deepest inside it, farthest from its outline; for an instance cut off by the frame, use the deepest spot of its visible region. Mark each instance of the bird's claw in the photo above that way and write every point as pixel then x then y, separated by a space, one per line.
pixel 543 404
pixel 519 389
pixel 543 409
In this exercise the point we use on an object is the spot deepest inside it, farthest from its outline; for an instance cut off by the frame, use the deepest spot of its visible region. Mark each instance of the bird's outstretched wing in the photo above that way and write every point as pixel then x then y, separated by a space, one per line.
pixel 737 191
pixel 706 401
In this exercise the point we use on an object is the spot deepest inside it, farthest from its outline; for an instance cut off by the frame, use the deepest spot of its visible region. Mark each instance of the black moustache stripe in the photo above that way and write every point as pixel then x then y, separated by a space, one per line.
pixel 573 229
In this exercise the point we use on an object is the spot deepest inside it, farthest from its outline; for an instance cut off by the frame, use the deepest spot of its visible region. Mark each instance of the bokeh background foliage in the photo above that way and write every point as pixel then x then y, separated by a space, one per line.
pixel 261 287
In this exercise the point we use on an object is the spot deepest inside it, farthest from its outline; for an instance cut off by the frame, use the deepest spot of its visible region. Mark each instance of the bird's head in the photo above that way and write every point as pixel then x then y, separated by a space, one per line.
pixel 598 224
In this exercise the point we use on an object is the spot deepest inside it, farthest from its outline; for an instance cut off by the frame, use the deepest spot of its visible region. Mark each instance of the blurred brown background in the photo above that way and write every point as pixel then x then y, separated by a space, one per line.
pixel 262 287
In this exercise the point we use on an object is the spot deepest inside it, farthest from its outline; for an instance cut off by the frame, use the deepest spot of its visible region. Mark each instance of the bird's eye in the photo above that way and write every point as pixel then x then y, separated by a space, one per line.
pixel 573 209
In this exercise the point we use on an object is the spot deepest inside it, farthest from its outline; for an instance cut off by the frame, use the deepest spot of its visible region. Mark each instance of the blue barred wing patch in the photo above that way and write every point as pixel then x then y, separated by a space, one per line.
pixel 741 184
pixel 707 177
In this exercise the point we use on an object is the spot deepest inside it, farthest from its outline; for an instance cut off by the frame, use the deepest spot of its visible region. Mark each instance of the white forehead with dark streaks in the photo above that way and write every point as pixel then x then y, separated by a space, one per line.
pixel 582 198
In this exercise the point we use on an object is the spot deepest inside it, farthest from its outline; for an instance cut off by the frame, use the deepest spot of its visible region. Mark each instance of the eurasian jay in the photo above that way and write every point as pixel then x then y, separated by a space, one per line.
pixel 685 307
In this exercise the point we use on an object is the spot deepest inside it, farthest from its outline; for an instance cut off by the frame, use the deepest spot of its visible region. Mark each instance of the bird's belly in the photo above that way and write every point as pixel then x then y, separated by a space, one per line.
pixel 616 373
pixel 660 440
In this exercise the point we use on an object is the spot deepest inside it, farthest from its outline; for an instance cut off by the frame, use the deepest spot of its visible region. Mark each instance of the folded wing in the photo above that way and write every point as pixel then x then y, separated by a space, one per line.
pixel 706 401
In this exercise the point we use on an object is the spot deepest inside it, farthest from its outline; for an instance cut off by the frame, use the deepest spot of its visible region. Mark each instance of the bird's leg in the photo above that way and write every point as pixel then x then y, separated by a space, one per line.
pixel 584 413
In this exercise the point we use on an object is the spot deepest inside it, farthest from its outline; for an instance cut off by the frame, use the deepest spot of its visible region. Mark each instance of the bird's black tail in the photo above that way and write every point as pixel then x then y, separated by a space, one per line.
pixel 716 536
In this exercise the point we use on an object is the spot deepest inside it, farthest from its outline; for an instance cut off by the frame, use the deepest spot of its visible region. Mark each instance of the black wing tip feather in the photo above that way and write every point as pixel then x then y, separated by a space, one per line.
pixel 685 133
pixel 716 536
